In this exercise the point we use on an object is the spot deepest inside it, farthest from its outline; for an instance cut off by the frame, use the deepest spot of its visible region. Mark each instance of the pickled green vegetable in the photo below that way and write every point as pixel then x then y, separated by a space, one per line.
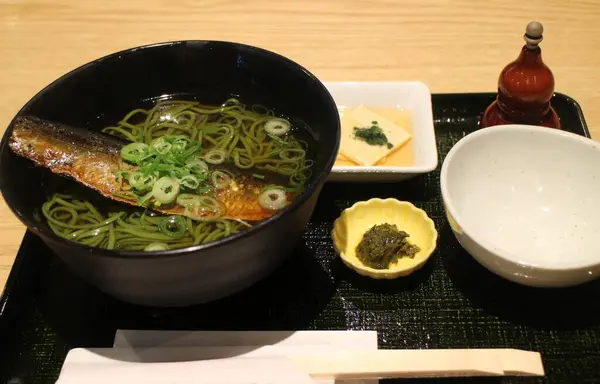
pixel 383 245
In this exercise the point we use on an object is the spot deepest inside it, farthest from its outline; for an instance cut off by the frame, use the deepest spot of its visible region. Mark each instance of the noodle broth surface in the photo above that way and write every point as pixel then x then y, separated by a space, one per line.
pixel 223 160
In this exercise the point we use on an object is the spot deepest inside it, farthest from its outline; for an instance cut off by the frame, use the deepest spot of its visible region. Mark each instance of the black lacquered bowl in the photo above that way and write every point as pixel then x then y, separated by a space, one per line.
pixel 211 72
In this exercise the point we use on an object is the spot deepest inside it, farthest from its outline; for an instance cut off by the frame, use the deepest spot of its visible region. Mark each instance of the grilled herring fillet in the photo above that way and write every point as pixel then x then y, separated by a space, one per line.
pixel 92 158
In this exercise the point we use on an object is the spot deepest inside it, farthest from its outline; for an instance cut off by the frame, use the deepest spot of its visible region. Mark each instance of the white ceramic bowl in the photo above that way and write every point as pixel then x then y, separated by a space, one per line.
pixel 524 201
pixel 411 96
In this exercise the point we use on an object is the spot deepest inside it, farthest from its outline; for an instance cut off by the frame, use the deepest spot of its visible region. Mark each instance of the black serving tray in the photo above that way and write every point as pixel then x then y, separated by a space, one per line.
pixel 452 302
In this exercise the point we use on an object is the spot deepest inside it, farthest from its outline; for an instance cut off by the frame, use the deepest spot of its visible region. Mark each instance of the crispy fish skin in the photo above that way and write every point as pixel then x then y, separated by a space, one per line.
pixel 88 158
pixel 91 159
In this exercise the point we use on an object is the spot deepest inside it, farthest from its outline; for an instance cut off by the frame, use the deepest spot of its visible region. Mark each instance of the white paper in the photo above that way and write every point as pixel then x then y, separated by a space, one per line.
pixel 148 338
pixel 335 339
pixel 153 356
pixel 178 354
pixel 272 370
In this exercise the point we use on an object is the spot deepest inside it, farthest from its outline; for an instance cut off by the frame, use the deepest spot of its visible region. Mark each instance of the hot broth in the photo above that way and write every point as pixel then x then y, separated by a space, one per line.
pixel 197 173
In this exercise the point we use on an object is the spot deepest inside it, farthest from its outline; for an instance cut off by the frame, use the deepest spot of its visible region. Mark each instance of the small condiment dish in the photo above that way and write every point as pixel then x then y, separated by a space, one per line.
pixel 349 228
pixel 524 202
pixel 411 97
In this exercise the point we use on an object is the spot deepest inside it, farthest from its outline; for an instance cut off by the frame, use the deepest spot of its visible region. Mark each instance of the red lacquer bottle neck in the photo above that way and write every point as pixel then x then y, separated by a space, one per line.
pixel 525 88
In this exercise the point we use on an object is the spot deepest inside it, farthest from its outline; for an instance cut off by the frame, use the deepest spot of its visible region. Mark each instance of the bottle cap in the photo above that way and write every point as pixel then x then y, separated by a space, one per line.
pixel 533 34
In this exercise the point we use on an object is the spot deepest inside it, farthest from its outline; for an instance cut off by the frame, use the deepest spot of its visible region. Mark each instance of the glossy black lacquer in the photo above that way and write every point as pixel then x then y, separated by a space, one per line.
pixel 101 92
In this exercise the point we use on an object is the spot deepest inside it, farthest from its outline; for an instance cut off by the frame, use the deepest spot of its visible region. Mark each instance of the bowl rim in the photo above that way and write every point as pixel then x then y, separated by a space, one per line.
pixel 506 256
pixel 311 188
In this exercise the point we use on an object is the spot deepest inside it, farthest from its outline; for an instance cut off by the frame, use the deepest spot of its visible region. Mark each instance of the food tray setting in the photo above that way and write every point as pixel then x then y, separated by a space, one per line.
pixel 451 301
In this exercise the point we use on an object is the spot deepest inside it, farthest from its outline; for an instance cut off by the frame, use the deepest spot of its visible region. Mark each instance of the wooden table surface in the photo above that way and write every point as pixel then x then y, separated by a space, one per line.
pixel 451 45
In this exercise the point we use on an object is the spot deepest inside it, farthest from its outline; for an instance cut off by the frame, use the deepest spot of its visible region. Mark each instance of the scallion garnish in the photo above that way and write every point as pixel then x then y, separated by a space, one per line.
pixel 168 165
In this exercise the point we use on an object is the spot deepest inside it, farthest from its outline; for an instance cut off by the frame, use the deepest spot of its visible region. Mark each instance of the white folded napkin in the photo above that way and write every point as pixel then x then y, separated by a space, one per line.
pixel 209 357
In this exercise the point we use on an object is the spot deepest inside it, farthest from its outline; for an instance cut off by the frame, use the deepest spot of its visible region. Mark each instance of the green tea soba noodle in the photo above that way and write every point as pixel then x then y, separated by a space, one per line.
pixel 79 221
pixel 250 139
pixel 187 154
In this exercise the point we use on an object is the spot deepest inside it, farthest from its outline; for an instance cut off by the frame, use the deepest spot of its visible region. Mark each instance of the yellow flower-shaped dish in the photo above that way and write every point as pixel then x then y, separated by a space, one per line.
pixel 349 228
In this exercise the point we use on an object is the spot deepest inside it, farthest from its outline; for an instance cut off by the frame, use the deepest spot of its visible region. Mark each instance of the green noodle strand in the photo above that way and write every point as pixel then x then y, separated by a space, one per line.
pixel 126 231
pixel 231 126
pixel 236 131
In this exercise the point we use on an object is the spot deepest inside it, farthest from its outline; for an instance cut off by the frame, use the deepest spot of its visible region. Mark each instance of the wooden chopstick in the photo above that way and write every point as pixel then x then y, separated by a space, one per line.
pixel 320 363
pixel 422 363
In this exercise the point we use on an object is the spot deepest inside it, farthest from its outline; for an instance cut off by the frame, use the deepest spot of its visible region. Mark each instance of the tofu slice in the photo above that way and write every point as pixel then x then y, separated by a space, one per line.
pixel 358 150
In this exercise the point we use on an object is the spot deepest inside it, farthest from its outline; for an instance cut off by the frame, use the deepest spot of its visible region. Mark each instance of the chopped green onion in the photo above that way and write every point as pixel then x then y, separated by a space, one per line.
pixel 216 156
pixel 166 190
pixel 292 154
pixel 277 126
pixel 134 152
pixel 161 146
pixel 189 182
pixel 197 167
pixel 272 186
pixel 258 176
pixel 141 182
pixel 273 199
pixel 202 190
pixel 173 226
pixel 144 199
pixel 307 164
pixel 184 147
pixel 124 196
pixel 197 207
pixel 188 199
pixel 201 214
pixel 119 175
pixel 220 179
pixel 206 202
pixel 180 144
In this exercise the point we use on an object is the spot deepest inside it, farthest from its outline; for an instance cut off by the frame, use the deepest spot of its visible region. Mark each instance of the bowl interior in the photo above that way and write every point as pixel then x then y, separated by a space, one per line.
pixel 528 193
pixel 100 93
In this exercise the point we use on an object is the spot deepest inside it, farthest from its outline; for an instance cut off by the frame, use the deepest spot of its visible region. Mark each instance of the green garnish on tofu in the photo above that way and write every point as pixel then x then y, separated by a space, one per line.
pixel 372 135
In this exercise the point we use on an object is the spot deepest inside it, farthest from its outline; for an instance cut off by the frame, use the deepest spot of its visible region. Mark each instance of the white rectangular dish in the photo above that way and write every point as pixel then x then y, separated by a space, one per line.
pixel 413 97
